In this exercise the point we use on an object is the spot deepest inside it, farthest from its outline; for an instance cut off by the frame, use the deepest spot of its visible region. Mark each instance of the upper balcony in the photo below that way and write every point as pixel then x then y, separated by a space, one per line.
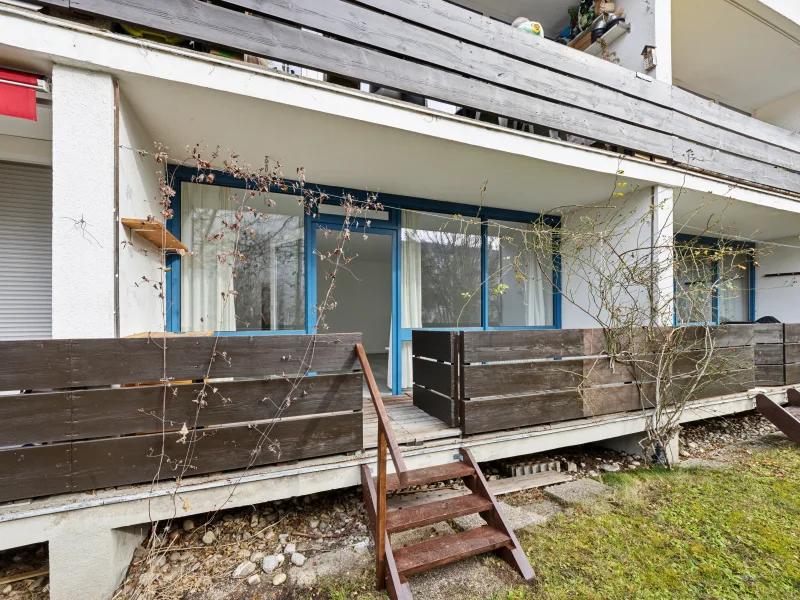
pixel 455 59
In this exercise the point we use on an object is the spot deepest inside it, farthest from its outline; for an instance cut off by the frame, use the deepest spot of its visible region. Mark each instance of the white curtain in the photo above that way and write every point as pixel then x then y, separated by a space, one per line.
pixel 538 290
pixel 206 304
pixel 410 296
pixel 734 297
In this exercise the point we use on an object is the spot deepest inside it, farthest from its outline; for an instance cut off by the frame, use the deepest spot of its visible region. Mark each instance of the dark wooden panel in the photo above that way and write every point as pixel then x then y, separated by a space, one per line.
pixel 769 354
pixel 135 360
pixel 437 405
pixel 617 398
pixel 35 418
pixel 507 412
pixel 34 365
pixel 792 374
pixel 721 335
pixel 718 384
pixel 718 360
pixel 437 345
pixel 518 378
pixel 791 333
pixel 119 411
pixel 520 344
pixel 768 333
pixel 770 375
pixel 436 376
pixel 791 353
pixel 135 459
pixel 34 471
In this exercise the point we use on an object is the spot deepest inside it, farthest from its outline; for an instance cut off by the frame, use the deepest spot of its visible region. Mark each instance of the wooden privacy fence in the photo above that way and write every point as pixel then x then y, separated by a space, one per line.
pixel 493 380
pixel 436 49
pixel 90 419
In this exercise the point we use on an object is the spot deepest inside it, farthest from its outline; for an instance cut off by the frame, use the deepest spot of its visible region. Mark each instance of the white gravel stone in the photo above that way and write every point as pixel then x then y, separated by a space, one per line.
pixel 244 570
pixel 298 559
pixel 270 563
pixel 188 525
pixel 279 579
pixel 254 579
pixel 257 556
pixel 209 538
pixel 290 549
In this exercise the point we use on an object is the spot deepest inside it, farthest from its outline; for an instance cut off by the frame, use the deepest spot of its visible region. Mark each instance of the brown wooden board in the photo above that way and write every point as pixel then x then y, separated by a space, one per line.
pixel 34 471
pixel 506 412
pixel 792 374
pixel 91 362
pixel 770 375
pixel 768 333
pixel 791 353
pixel 617 398
pixel 791 333
pixel 436 376
pixel 488 346
pixel 720 384
pixel 119 411
pixel 35 418
pixel 437 405
pixel 135 459
pixel 437 345
pixel 516 378
pixel 28 365
pixel 769 354
pixel 722 336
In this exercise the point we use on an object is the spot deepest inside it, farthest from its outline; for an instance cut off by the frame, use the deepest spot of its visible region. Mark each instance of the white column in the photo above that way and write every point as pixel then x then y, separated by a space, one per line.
pixel 662 232
pixel 663 39
pixel 83 203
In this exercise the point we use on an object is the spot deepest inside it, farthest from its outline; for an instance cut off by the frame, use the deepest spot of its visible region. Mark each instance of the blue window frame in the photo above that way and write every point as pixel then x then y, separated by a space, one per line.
pixel 711 242
pixel 394 204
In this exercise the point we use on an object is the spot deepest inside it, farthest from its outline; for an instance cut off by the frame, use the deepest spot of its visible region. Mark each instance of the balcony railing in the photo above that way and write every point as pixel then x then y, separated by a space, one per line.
pixel 433 49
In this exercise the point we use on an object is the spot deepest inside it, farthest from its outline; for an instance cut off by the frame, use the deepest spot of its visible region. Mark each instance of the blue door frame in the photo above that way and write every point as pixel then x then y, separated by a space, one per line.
pixel 393 204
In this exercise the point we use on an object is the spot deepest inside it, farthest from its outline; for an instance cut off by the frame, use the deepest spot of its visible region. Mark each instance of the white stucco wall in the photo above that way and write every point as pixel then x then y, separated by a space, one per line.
pixel 779 297
pixel 83 203
pixel 140 307
pixel 784 113
pixel 651 24
pixel 628 226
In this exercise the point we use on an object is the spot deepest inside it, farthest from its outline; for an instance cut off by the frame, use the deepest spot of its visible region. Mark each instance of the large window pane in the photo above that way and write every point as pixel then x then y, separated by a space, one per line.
pixel 441 271
pixel 734 288
pixel 268 258
pixel 694 284
pixel 520 294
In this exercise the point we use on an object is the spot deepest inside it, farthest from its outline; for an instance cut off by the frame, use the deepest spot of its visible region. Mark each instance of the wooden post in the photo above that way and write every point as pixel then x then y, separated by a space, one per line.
pixel 380 525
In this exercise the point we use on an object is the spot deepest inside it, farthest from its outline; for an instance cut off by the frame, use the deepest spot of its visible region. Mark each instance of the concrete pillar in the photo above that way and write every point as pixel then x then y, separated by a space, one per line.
pixel 90 562
pixel 632 444
pixel 663 39
pixel 83 204
pixel 662 236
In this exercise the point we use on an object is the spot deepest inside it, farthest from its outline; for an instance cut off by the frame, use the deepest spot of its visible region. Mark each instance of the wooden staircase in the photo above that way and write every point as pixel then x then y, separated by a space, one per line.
pixel 787 418
pixel 393 567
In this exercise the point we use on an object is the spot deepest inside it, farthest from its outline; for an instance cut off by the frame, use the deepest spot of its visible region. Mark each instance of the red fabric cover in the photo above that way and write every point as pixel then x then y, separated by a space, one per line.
pixel 15 100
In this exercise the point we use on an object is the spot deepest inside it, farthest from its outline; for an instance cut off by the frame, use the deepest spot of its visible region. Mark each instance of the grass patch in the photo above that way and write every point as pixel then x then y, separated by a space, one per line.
pixel 684 534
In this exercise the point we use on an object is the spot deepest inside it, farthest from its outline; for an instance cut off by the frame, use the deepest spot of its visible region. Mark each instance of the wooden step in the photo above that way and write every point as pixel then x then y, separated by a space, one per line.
pixel 447 549
pixel 455 470
pixel 794 411
pixel 436 512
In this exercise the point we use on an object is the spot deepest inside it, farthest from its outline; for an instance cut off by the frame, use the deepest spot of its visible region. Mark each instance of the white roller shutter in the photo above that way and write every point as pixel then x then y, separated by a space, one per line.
pixel 26 221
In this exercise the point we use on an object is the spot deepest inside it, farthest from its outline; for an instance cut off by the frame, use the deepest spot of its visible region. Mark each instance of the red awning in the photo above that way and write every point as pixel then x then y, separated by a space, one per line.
pixel 16 100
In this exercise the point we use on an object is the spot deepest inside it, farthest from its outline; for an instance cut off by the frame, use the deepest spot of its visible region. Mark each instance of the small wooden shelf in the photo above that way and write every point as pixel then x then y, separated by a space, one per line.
pixel 612 35
pixel 155 233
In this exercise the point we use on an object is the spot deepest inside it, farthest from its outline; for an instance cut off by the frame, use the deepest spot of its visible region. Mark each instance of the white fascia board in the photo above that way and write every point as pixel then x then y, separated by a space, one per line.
pixel 86 47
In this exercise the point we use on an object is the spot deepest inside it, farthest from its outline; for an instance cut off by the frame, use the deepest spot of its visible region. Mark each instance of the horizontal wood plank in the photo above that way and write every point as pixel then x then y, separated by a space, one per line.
pixel 792 373
pixel 135 459
pixel 35 418
pixel 437 345
pixel 508 412
pixel 436 376
pixel 51 364
pixel 768 333
pixel 768 354
pixel 791 353
pixel 617 398
pixel 499 345
pixel 34 471
pixel 119 411
pixel 770 375
pixel 516 378
pixel 437 405
pixel 791 333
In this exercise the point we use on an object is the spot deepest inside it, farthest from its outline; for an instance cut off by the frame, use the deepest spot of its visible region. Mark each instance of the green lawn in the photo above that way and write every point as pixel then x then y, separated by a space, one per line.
pixel 698 533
